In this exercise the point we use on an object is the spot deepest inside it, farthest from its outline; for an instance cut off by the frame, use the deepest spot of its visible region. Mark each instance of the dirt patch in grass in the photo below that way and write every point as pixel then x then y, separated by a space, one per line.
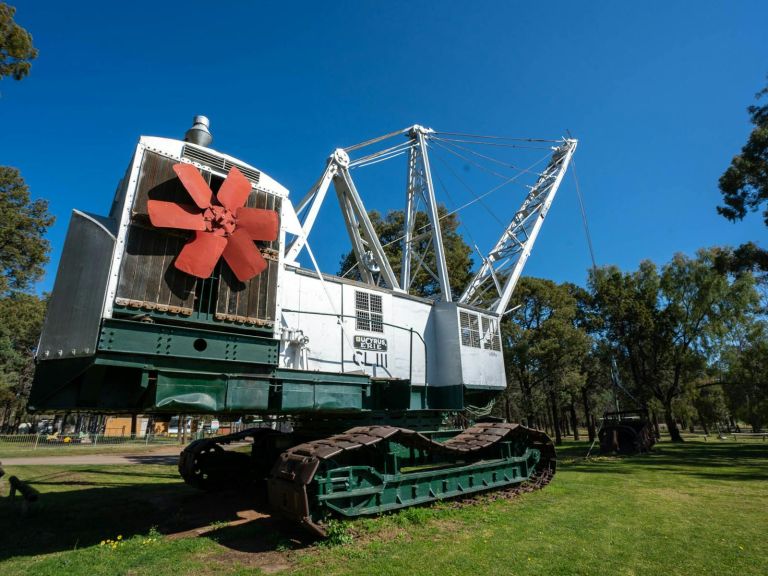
pixel 226 561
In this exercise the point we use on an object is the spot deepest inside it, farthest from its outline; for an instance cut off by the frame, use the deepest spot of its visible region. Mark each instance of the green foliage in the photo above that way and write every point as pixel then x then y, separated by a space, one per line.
pixel 391 228
pixel 744 184
pixel 16 50
pixel 711 405
pixel 23 248
pixel 747 379
pixel 23 252
pixel 21 319
pixel 544 348
pixel 667 327
pixel 338 533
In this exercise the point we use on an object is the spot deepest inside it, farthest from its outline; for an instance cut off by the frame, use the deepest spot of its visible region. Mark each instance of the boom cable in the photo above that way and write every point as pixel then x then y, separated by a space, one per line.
pixel 584 216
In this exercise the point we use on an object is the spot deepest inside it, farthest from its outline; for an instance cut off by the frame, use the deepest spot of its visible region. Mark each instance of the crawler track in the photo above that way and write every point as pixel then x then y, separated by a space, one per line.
pixel 342 473
pixel 206 465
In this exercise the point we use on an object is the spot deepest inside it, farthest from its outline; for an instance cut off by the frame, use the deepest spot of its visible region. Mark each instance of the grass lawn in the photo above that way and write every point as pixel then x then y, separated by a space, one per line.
pixel 698 508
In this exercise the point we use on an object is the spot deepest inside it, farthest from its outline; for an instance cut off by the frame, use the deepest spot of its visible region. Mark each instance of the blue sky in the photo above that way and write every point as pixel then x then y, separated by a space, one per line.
pixel 655 92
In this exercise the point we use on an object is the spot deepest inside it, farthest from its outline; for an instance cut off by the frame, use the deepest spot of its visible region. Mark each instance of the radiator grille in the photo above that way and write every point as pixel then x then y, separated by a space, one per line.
pixel 218 163
pixel 149 281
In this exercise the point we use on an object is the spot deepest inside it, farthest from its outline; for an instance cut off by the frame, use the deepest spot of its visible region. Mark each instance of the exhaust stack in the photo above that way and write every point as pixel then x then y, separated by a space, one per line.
pixel 199 133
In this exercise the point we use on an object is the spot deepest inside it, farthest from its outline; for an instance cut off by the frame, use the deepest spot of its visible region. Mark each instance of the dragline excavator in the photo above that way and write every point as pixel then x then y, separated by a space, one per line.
pixel 190 297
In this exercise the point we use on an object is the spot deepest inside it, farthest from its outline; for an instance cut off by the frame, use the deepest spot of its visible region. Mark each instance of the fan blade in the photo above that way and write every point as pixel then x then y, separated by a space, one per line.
pixel 243 257
pixel 260 224
pixel 199 257
pixel 170 215
pixel 234 192
pixel 195 184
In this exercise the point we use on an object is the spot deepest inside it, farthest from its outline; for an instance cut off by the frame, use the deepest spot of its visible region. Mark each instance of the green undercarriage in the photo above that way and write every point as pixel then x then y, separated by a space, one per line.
pixel 162 368
pixel 362 490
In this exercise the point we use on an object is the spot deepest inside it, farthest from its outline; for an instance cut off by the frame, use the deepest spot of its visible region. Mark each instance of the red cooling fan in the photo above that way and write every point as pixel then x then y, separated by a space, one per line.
pixel 223 225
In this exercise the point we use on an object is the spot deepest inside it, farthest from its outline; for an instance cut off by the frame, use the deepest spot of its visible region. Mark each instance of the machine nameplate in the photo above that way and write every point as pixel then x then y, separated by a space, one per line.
pixel 370 343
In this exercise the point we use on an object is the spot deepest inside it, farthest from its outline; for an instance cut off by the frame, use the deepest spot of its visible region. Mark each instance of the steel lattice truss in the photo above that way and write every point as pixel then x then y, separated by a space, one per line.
pixel 492 286
pixel 494 283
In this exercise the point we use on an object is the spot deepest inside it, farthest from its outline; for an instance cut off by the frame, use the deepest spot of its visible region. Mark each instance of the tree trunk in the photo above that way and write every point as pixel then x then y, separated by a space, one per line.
pixel 588 414
pixel 133 425
pixel 527 405
pixel 555 419
pixel 674 432
pixel 181 429
pixel 655 420
pixel 574 421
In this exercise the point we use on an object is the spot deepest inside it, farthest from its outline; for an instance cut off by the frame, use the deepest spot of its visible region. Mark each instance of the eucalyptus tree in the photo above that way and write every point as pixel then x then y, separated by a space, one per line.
pixel 746 377
pixel 667 326
pixel 545 348
pixel 21 319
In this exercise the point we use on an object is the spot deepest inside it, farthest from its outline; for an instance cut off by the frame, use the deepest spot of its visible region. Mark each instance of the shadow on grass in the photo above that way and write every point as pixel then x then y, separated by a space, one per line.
pixel 66 518
pixel 713 461
pixel 153 459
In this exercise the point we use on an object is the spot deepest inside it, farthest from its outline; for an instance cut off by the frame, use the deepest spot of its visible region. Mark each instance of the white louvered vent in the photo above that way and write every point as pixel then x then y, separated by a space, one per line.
pixel 218 163
pixel 491 338
pixel 368 312
pixel 469 326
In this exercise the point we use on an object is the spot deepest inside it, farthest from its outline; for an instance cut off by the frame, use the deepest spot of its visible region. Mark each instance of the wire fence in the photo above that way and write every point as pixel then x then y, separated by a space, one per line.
pixel 734 436
pixel 35 441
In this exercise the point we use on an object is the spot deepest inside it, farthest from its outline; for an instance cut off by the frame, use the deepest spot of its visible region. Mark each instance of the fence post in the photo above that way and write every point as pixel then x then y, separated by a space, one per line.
pixel 37 439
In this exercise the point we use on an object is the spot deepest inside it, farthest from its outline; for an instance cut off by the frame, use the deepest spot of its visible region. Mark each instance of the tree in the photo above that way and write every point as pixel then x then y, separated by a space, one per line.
pixel 390 230
pixel 16 50
pixel 545 349
pixel 23 252
pixel 23 248
pixel 748 257
pixel 666 328
pixel 710 403
pixel 747 378
pixel 744 185
pixel 21 319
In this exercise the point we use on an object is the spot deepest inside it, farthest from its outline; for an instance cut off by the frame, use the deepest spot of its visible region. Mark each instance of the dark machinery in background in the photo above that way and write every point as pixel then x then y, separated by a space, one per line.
pixel 626 432
pixel 188 298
